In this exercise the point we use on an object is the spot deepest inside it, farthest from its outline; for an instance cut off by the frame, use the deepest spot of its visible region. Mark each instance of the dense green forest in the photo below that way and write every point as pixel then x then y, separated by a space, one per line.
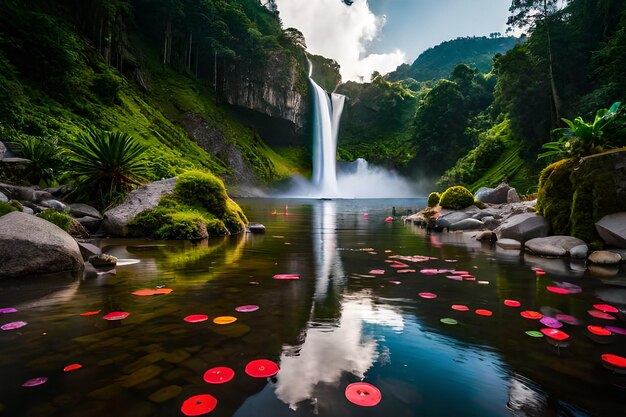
pixel 477 127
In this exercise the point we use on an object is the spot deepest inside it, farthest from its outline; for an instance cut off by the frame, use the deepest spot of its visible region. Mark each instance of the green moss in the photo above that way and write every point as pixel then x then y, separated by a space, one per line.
pixel 17 205
pixel 202 189
pixel 60 219
pixel 433 199
pixel 554 197
pixel 456 198
pixel 6 208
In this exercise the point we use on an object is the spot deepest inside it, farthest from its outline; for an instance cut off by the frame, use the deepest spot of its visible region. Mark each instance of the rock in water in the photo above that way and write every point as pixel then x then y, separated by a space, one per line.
pixel 30 245
pixel 612 229
pixel 103 260
pixel 467 224
pixel 523 227
pixel 509 244
pixel 79 210
pixel 143 198
pixel 603 257
pixel 553 246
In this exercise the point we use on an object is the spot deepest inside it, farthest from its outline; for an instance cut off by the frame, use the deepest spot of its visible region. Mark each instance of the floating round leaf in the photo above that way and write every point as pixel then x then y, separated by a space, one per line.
pixel 218 375
pixel 199 405
pixel 35 382
pixel 605 308
pixel 529 314
pixel 483 312
pixel 460 307
pixel 405 271
pixel 144 292
pixel 377 271
pixel 286 276
pixel 427 295
pixel 512 303
pixel 90 313
pixel 550 322
pixel 616 330
pixel 468 277
pixel 247 308
pixel 460 272
pixel 13 325
pixel 455 277
pixel 261 368
pixel 599 331
pixel 363 394
pixel 566 318
pixel 72 367
pixel 116 315
pixel 555 334
pixel 534 333
pixel 224 320
pixel 558 290
pixel 196 318
pixel 448 320
pixel 429 271
pixel 600 315
pixel 163 291
pixel 7 310
pixel 614 360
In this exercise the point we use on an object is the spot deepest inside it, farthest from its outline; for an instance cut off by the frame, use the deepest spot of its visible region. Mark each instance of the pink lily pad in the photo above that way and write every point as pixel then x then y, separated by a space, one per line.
pixel 605 308
pixel 460 307
pixel 13 325
pixel 389 219
pixel 116 315
pixel 428 295
pixel 550 322
pixel 398 265
pixel 558 290
pixel 247 308
pixel 555 334
pixel 405 271
pixel 460 272
pixel 455 277
pixel 35 381
pixel 377 271
pixel 395 282
pixel 286 276
pixel 616 330
pixel 600 315
pixel 196 318
pixel 7 310
pixel 566 318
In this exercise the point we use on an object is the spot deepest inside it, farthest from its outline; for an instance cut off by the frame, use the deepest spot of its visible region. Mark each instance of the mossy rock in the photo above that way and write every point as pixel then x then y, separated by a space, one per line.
pixel 456 198
pixel 433 199
pixel 6 208
pixel 554 199
pixel 60 219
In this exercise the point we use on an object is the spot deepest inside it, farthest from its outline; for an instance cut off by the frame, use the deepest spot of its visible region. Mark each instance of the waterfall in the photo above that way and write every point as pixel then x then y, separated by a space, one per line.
pixel 326 118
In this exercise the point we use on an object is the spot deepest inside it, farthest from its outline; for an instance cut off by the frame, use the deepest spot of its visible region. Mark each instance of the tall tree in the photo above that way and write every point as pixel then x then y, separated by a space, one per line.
pixel 528 14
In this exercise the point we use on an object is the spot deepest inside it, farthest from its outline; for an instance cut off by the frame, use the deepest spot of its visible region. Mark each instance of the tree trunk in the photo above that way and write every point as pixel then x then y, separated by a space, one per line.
pixel 555 95
pixel 189 56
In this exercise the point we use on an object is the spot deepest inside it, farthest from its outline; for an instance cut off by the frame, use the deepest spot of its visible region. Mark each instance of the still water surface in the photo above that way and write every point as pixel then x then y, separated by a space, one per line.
pixel 336 325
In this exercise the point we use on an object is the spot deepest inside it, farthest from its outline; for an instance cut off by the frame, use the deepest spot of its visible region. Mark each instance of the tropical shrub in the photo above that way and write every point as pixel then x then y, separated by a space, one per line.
pixel 44 154
pixel 105 165
pixel 6 208
pixel 433 199
pixel 456 198
pixel 582 138
pixel 60 219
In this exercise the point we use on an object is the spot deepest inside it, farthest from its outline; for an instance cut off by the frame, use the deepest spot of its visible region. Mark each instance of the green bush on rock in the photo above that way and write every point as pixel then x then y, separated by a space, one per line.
pixel 60 219
pixel 6 208
pixel 456 198
pixel 554 199
pixel 433 199
pixel 198 208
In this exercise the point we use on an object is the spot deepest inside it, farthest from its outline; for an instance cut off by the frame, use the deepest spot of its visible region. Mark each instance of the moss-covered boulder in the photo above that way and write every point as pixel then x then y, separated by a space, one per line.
pixel 456 198
pixel 199 207
pixel 574 195
pixel 433 199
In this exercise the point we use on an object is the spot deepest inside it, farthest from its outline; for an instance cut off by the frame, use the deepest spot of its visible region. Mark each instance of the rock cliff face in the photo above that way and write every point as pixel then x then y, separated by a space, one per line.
pixel 280 89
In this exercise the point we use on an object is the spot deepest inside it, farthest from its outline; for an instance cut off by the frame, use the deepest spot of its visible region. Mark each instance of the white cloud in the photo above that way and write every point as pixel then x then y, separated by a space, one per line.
pixel 342 33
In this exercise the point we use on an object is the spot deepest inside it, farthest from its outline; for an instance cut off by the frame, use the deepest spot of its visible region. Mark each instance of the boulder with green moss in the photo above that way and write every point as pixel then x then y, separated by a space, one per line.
pixel 456 198
pixel 433 199
pixel 199 207
pixel 574 195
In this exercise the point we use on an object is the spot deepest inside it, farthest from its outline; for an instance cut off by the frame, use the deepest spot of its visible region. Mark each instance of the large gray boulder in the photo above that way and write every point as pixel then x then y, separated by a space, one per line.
pixel 451 218
pixel 523 227
pixel 467 224
pixel 4 198
pixel 79 210
pixel 143 198
pixel 498 195
pixel 553 246
pixel 612 229
pixel 509 244
pixel 30 245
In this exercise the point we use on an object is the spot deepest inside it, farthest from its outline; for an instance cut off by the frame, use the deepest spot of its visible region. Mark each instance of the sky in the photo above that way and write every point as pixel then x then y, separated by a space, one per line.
pixel 379 35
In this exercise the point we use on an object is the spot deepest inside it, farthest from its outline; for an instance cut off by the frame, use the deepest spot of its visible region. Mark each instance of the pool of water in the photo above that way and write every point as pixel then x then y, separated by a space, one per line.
pixel 336 325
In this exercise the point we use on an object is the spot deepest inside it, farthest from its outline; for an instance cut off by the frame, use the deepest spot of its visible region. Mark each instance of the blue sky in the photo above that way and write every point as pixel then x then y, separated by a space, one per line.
pixel 381 34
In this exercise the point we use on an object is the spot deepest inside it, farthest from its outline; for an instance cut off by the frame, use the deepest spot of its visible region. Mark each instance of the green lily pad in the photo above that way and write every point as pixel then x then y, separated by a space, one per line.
pixel 448 320
pixel 534 333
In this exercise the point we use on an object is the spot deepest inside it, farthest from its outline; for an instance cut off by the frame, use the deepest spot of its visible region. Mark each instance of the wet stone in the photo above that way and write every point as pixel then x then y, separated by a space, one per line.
pixel 194 365
pixel 140 409
pixel 150 385
pixel 165 394
pixel 141 376
pixel 177 356
pixel 123 357
pixel 144 361
pixel 107 392
pixel 150 348
pixel 178 374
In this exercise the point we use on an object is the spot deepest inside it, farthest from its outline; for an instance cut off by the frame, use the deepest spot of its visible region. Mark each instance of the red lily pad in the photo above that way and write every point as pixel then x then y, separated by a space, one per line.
pixel 605 308
pixel 198 405
pixel 460 272
pixel 614 360
pixel 219 375
pixel 286 276
pixel 600 315
pixel 469 278
pixel 247 308
pixel 90 313
pixel 196 318
pixel 144 292
pixel 483 312
pixel 261 368
pixel 35 381
pixel 460 307
pixel 558 290
pixel 116 315
pixel 555 334
pixel 72 367
pixel 13 325
pixel 530 314
pixel 512 303
pixel 377 271
pixel 163 291
pixel 428 295
pixel 599 331
pixel 363 394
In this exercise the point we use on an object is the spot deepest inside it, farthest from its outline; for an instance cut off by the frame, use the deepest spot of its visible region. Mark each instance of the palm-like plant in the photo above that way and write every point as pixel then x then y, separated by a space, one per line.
pixel 105 165
pixel 44 154
pixel 581 138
